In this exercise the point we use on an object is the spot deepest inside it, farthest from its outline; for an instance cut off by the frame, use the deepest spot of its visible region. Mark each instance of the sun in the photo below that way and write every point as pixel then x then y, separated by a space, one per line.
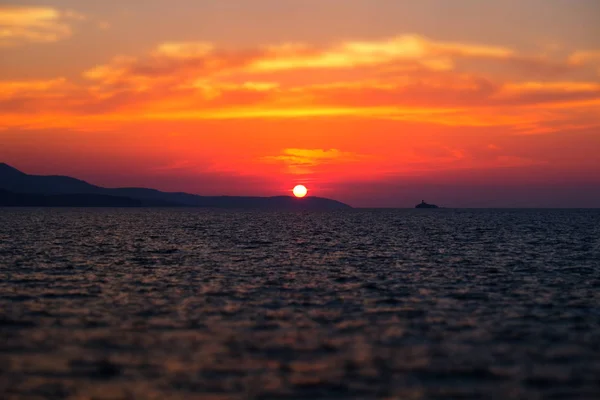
pixel 300 191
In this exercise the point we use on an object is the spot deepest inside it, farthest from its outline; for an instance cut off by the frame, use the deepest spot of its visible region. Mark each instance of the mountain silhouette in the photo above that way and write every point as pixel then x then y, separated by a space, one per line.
pixel 21 189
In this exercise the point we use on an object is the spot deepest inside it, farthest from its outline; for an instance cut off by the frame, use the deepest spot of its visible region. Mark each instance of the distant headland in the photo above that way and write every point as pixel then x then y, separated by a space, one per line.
pixel 19 189
pixel 425 205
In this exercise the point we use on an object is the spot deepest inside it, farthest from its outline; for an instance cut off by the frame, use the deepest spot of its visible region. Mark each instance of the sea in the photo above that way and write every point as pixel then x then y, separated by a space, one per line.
pixel 354 304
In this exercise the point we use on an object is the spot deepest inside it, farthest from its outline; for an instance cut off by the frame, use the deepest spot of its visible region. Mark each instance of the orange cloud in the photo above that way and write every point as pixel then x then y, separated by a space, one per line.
pixel 16 88
pixel 405 78
pixel 202 59
pixel 302 161
pixel 552 87
pixel 20 25
pixel 584 57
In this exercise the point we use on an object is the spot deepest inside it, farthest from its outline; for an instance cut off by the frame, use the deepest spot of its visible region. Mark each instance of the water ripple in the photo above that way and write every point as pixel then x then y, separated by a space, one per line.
pixel 359 304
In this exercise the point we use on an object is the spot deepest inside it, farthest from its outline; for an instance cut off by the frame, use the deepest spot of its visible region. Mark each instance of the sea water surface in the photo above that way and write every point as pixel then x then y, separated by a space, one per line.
pixel 357 304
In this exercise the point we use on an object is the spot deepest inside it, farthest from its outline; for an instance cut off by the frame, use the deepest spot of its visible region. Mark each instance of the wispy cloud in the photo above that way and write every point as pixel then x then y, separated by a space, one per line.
pixel 429 54
pixel 22 25
pixel 403 78
pixel 302 161
pixel 584 57
pixel 11 88
pixel 204 59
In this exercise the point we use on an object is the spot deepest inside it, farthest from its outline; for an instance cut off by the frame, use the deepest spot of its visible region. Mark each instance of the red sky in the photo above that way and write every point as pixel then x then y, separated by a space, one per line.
pixel 375 103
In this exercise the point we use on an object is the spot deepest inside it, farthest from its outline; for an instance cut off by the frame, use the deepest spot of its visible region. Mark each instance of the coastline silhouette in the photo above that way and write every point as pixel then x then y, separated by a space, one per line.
pixel 23 190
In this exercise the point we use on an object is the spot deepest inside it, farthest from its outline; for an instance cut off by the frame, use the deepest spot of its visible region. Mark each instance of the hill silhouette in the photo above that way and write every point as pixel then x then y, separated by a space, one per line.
pixel 19 188
pixel 10 199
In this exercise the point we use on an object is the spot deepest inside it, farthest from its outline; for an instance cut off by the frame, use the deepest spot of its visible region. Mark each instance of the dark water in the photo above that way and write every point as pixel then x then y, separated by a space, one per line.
pixel 405 304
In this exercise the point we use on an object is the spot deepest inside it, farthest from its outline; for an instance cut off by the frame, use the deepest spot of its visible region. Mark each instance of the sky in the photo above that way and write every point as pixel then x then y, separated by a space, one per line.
pixel 377 103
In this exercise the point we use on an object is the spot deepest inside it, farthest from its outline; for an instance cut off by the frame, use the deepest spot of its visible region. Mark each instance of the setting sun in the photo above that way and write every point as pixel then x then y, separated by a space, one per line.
pixel 300 191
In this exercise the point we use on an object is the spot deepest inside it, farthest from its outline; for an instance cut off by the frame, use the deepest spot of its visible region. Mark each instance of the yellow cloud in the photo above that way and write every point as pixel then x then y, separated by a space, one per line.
pixel 268 111
pixel 404 78
pixel 207 85
pixel 202 60
pixel 313 156
pixel 110 73
pixel 183 50
pixel 20 25
pixel 430 54
pixel 302 161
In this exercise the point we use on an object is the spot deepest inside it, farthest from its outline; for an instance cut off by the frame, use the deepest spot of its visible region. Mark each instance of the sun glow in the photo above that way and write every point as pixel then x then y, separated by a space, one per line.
pixel 300 191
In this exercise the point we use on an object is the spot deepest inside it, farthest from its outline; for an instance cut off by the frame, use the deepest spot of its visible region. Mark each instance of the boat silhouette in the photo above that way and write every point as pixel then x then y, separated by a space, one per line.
pixel 425 205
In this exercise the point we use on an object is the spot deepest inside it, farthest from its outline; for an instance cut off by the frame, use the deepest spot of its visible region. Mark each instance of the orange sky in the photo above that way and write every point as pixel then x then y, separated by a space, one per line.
pixel 376 103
